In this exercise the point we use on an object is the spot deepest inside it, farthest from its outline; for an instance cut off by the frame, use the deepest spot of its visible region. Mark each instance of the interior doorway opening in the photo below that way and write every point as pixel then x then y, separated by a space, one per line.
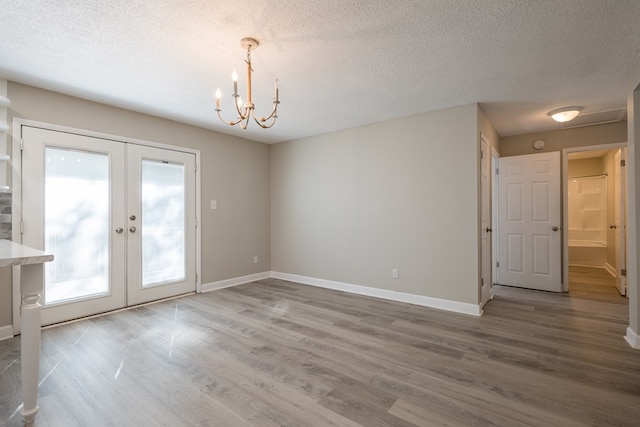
pixel 594 238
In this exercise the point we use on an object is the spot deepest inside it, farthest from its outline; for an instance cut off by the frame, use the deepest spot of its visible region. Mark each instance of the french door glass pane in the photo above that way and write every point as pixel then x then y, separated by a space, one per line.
pixel 163 222
pixel 76 227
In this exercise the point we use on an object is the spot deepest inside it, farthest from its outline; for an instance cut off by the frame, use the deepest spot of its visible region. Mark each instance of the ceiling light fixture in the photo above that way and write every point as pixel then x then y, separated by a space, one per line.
pixel 246 110
pixel 564 114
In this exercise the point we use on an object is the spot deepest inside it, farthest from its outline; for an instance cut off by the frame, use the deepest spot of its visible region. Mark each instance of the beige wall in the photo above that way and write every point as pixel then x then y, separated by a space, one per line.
pixel 350 206
pixel 234 171
pixel 567 138
pixel 585 167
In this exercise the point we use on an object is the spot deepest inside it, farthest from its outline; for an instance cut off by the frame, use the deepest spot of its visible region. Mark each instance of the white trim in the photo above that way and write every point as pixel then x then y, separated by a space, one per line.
pixel 6 332
pixel 227 283
pixel 632 338
pixel 442 304
pixel 611 270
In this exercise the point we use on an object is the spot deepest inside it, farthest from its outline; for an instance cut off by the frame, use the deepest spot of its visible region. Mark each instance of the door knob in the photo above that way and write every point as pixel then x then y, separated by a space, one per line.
pixel 554 228
pixel 613 227
pixel 119 230
pixel 132 229
pixel 132 217
pixel 488 230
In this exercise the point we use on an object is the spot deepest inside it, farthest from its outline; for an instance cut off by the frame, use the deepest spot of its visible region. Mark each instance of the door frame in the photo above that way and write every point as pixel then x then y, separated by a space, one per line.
pixel 486 271
pixel 16 204
pixel 565 202
pixel 495 193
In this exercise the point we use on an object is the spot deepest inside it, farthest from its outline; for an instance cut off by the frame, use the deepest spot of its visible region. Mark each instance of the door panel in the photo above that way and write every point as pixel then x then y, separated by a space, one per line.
pixel 529 218
pixel 71 186
pixel 162 203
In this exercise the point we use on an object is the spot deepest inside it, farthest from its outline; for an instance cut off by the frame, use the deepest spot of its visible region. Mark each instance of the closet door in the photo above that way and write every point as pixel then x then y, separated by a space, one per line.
pixel 72 206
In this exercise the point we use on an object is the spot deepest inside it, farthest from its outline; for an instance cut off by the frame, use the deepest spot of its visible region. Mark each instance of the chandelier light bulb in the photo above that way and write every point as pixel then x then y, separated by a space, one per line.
pixel 218 96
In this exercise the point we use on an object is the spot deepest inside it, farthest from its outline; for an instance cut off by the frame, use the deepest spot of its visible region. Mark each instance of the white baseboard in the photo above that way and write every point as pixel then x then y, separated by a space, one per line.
pixel 6 332
pixel 442 304
pixel 207 287
pixel 612 270
pixel 632 338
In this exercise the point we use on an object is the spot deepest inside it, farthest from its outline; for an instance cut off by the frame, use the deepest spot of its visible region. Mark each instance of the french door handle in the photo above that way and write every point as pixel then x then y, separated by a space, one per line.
pixel 488 230
pixel 119 230
pixel 613 227
pixel 132 229
pixel 554 228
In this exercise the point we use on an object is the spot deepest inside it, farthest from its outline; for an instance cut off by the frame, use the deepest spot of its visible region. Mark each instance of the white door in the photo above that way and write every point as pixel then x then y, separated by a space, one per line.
pixel 161 224
pixel 485 159
pixel 78 195
pixel 494 216
pixel 529 222
pixel 620 224
pixel 71 205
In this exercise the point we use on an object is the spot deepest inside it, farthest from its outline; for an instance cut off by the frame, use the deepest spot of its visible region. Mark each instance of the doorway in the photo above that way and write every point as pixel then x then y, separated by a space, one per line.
pixel 595 225
pixel 120 218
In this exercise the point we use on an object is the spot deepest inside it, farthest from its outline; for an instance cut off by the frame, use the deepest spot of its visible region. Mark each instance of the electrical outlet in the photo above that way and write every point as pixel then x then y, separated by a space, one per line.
pixel 395 273
pixel 255 259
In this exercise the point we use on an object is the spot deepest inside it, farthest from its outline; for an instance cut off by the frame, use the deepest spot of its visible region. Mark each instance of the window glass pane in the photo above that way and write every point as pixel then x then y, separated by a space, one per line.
pixel 163 222
pixel 76 224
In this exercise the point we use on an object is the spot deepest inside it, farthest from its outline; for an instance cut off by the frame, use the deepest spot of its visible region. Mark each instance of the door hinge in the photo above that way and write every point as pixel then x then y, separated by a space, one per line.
pixel 498 264
pixel 623 272
pixel 21 144
pixel 196 277
pixel 623 162
pixel 21 227
pixel 497 171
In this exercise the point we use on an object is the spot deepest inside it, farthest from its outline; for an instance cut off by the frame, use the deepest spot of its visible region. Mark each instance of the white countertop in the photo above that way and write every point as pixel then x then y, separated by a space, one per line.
pixel 12 253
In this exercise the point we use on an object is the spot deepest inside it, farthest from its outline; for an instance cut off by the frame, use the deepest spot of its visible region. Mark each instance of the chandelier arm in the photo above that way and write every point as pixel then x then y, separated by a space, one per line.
pixel 263 126
pixel 262 120
pixel 274 112
pixel 231 122
pixel 241 114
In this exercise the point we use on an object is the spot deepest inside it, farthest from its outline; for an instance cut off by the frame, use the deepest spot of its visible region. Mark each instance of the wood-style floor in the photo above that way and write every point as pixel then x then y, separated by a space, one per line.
pixel 276 353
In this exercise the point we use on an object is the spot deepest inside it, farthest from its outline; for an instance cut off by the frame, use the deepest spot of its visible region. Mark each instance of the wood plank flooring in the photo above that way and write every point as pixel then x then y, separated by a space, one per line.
pixel 276 353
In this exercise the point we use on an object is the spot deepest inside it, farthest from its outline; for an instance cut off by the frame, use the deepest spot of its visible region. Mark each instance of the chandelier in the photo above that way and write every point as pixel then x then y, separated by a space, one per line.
pixel 246 110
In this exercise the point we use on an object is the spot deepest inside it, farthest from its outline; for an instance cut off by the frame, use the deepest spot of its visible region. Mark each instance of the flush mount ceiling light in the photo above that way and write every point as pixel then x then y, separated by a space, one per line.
pixel 564 114
pixel 247 109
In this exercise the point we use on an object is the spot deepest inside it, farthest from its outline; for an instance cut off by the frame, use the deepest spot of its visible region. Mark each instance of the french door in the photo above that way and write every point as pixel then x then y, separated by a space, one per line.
pixel 119 219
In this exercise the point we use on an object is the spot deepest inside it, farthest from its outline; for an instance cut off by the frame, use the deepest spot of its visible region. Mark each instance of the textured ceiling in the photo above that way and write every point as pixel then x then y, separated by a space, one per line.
pixel 340 63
